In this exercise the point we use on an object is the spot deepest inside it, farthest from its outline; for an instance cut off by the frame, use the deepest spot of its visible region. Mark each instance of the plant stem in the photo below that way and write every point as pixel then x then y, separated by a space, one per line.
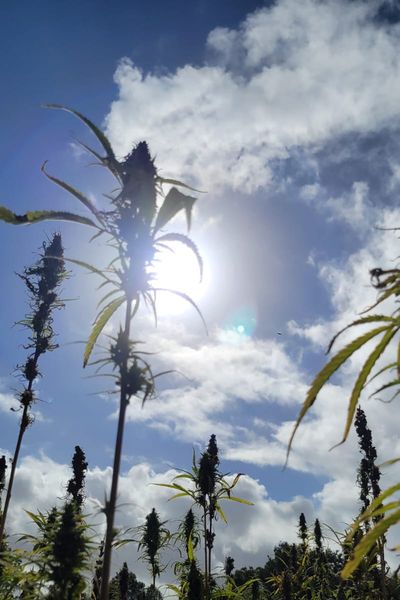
pixel 12 473
pixel 22 428
pixel 111 504
pixel 206 582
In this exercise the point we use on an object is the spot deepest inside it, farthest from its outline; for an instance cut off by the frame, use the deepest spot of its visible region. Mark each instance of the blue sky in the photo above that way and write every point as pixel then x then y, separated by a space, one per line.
pixel 288 117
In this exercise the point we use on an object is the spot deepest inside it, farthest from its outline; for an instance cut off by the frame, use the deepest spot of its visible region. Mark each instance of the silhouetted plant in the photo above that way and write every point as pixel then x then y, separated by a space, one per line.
pixel 207 487
pixel 133 225
pixel 125 586
pixel 318 535
pixel 3 469
pixel 75 487
pixel 154 537
pixel 303 531
pixel 229 565
pixel 42 280
pixel 385 328
pixel 368 480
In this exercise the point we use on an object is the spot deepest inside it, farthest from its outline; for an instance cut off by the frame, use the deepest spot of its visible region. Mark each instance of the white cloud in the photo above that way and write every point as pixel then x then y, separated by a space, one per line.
pixel 226 371
pixel 251 533
pixel 291 75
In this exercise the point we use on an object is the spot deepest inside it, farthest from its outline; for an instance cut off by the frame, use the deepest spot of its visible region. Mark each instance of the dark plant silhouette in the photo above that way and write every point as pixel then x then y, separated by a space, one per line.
pixel 133 225
pixel 42 281
pixel 154 537
pixel 208 488
pixel 75 487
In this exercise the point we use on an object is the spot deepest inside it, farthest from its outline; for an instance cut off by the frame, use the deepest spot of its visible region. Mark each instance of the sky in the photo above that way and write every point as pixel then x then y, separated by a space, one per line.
pixel 287 115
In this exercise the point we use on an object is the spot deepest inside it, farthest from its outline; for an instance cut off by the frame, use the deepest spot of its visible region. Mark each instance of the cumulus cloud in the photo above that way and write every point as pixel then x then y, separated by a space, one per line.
pixel 290 75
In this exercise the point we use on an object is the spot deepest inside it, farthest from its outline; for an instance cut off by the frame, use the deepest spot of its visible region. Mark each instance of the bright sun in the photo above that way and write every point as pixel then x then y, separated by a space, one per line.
pixel 177 270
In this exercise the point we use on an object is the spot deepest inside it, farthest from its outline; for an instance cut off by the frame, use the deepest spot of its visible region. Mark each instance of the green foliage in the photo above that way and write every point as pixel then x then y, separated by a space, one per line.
pixel 42 280
pixel 383 516
pixel 154 537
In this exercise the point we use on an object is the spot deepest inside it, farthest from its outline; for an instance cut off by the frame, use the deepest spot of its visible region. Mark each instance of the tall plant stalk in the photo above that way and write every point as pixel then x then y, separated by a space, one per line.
pixel 208 488
pixel 42 281
pixel 111 505
pixel 134 226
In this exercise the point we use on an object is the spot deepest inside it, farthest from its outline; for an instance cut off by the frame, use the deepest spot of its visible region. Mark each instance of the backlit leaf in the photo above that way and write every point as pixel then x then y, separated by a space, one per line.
pixel 363 376
pixel 35 216
pixel 183 239
pixel 174 202
pixel 326 373
pixel 74 192
pixel 99 325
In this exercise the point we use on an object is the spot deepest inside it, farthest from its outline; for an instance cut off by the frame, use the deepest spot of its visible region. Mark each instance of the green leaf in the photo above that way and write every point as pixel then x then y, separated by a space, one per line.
pixel 369 512
pixel 190 549
pixel 97 132
pixel 363 321
pixel 183 239
pixel 389 462
pixel 74 192
pixel 42 215
pixel 89 267
pixel 174 202
pixel 326 373
pixel 221 513
pixel 240 500
pixel 385 387
pixel 363 376
pixel 107 296
pixel 368 541
pixel 99 325
pixel 179 495
pixel 188 299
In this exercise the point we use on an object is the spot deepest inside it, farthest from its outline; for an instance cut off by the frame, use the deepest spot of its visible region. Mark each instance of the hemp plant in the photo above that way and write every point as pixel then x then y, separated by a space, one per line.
pixel 42 280
pixel 154 537
pixel 384 330
pixel 207 487
pixel 133 223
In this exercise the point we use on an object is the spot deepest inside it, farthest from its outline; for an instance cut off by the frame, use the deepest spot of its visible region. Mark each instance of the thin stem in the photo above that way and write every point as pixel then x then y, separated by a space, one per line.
pixel 206 582
pixel 111 504
pixel 22 430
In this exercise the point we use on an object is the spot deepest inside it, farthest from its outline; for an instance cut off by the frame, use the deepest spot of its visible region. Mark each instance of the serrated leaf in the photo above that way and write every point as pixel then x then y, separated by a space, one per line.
pixel 368 541
pixel 186 241
pixel 35 216
pixel 385 387
pixel 173 203
pixel 363 376
pixel 326 373
pixel 74 192
pixel 362 321
pixel 99 325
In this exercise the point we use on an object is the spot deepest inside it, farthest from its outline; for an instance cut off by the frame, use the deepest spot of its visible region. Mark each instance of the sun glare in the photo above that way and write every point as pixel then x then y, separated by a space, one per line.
pixel 177 270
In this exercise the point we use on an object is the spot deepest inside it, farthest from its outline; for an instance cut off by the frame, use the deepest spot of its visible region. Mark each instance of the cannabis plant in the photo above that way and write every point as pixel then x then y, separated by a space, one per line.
pixel 385 328
pixel 133 225
pixel 154 537
pixel 207 487
pixel 42 281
